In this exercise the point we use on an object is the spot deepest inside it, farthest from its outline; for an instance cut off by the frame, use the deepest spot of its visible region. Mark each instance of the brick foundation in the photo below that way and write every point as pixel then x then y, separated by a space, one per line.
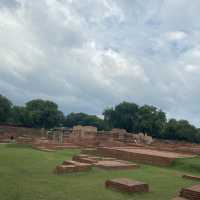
pixel 72 166
pixel 127 185
pixel 191 193
pixel 197 178
pixel 115 164
pixel 140 155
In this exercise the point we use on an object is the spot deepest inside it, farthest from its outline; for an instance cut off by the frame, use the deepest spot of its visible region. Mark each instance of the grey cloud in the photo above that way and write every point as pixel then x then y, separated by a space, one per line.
pixel 87 56
pixel 9 4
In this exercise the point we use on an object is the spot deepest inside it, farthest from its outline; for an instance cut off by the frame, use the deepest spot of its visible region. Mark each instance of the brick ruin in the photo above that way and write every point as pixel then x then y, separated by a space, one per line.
pixel 72 166
pixel 88 136
pixel 189 193
pixel 138 154
pixel 117 143
pixel 23 135
pixel 106 150
pixel 83 162
pixel 127 185
pixel 191 177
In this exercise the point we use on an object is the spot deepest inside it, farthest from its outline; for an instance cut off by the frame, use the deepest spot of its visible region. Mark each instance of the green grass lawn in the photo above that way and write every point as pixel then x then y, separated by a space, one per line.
pixel 27 174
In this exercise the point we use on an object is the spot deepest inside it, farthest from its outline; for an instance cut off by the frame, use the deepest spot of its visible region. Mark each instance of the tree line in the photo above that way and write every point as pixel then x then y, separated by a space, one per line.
pixel 40 113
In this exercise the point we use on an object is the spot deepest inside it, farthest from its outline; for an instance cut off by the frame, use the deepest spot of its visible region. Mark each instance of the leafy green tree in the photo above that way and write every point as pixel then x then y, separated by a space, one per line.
pixel 85 120
pixel 44 114
pixel 181 130
pixel 5 108
pixel 151 120
pixel 124 115
pixel 18 115
pixel 109 116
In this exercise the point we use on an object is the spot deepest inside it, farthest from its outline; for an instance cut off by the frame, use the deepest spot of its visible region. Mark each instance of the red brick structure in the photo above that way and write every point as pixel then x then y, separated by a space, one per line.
pixel 61 169
pixel 127 185
pixel 24 140
pixel 85 162
pixel 141 155
pixel 72 166
pixel 191 193
pixel 18 130
pixel 84 159
pixel 105 163
pixel 187 176
pixel 116 164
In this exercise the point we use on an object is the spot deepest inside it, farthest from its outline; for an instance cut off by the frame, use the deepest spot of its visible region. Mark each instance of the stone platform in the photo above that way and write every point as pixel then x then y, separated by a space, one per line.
pixel 84 159
pixel 137 154
pixel 127 185
pixel 187 176
pixel 191 193
pixel 105 162
pixel 84 162
pixel 72 166
pixel 115 164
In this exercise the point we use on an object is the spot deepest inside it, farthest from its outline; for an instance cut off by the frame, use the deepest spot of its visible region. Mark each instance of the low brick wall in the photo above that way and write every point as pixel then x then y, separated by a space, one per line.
pixel 6 132
pixel 131 156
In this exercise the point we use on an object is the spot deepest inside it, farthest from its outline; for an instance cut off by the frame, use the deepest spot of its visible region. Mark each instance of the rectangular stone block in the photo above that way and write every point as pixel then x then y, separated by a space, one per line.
pixel 191 193
pixel 127 185
pixel 60 169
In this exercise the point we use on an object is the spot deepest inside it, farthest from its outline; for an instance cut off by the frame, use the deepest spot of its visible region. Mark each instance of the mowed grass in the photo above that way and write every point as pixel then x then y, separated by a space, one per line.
pixel 27 174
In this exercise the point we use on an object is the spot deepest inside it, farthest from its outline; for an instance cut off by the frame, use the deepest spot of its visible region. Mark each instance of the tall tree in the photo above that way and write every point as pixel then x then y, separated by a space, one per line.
pixel 5 108
pixel 151 120
pixel 181 130
pixel 18 115
pixel 124 115
pixel 44 114
pixel 84 119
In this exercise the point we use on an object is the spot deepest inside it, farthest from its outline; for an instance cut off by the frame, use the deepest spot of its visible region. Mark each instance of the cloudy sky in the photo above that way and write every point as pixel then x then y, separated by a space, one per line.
pixel 89 54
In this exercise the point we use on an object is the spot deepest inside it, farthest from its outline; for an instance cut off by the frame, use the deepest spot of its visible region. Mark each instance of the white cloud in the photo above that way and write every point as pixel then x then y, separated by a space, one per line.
pixel 175 35
pixel 192 68
pixel 92 54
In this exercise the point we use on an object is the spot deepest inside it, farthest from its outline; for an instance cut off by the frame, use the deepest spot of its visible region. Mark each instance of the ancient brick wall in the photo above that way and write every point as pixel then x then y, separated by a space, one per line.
pixel 7 131
pixel 131 156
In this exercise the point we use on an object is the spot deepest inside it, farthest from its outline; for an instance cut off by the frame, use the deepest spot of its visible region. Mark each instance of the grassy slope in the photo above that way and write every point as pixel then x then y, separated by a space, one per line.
pixel 26 174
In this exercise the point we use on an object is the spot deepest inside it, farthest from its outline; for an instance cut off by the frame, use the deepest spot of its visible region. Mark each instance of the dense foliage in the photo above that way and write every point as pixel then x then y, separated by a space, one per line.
pixel 36 113
pixel 5 108
pixel 150 120
pixel 133 118
pixel 85 120
pixel 181 130
pixel 130 116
